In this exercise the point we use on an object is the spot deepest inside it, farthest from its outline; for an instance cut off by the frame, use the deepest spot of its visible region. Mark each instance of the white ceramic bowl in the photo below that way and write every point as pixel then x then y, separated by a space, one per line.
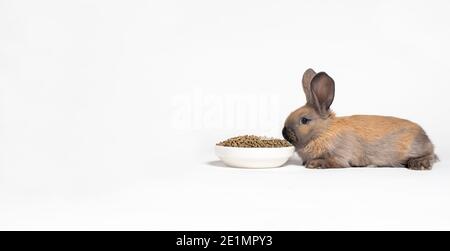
pixel 245 157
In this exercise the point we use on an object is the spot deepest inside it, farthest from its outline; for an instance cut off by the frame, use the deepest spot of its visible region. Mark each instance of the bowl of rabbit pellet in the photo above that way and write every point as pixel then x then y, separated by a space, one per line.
pixel 250 151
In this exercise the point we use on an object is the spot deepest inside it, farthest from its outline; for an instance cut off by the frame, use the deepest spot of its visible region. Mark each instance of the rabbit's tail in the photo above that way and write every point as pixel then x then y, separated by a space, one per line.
pixel 435 158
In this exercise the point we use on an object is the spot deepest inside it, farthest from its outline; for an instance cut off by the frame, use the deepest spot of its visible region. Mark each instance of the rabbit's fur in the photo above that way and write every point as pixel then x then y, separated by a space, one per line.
pixel 323 140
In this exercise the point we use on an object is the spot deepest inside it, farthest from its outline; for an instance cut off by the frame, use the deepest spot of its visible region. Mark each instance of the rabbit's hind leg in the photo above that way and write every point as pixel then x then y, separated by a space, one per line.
pixel 421 163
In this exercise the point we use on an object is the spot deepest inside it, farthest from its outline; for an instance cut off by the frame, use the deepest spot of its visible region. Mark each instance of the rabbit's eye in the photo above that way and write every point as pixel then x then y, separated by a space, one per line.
pixel 304 120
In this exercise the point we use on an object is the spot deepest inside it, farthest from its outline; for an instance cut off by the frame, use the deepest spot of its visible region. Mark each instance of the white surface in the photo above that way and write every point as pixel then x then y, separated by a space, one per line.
pixel 110 111
pixel 254 157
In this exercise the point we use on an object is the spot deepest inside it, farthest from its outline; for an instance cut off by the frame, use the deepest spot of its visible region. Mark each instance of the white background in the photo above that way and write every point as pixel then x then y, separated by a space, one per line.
pixel 109 111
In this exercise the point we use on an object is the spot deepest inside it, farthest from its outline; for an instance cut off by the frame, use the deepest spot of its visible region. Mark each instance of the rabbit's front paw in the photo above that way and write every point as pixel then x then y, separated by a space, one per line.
pixel 315 164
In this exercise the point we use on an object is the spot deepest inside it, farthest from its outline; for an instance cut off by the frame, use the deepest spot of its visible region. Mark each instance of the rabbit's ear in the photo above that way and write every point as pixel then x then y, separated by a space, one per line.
pixel 322 92
pixel 306 81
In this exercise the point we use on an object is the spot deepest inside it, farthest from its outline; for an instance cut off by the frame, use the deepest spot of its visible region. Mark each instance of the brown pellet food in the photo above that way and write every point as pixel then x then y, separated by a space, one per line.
pixel 254 141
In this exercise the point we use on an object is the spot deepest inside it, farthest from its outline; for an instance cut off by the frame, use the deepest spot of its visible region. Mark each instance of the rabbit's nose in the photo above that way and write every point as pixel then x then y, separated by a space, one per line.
pixel 289 135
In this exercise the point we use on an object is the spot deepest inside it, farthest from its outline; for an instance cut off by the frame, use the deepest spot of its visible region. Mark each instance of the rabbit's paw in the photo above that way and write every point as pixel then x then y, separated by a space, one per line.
pixel 315 164
pixel 422 163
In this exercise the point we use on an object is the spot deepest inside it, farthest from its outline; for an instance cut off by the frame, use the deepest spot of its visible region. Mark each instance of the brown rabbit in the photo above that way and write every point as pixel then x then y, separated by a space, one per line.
pixel 323 140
